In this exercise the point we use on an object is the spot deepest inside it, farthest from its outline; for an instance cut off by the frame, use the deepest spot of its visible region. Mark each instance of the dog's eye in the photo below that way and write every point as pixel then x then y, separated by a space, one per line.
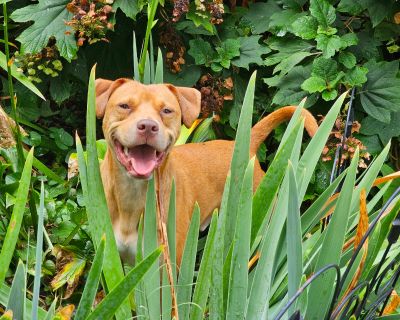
pixel 124 106
pixel 166 111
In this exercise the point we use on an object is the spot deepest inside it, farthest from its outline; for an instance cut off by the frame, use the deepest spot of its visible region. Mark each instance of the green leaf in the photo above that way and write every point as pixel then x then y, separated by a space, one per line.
pixel 370 126
pixel 305 27
pixel 283 21
pixel 14 226
pixel 380 94
pixel 377 10
pixel 347 59
pixel 322 288
pixel 250 52
pixel 19 76
pixel 130 7
pixel 288 63
pixel 348 40
pixel 259 16
pixel 201 51
pixel 203 282
pixel 329 95
pixel 228 50
pixel 92 283
pixel 314 84
pixel 325 69
pixel 107 307
pixel 238 278
pixel 323 11
pixel 328 44
pixel 16 301
pixel 350 6
pixel 49 20
pixel 186 272
pixel 356 76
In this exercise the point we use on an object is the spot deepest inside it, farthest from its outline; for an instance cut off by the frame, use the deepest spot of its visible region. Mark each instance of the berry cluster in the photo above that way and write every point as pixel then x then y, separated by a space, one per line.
pixel 174 47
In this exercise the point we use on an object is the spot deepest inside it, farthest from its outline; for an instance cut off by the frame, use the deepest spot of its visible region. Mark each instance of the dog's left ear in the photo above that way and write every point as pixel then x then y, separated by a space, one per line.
pixel 190 102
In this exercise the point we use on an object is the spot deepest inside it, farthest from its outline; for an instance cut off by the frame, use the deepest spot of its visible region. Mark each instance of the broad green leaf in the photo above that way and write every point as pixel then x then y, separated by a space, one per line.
pixel 201 51
pixel 39 253
pixel 350 6
pixel 203 282
pixel 378 10
pixel 288 63
pixel 323 11
pixel 305 27
pixel 91 285
pixel 356 76
pixel 238 278
pixel 385 131
pixel 348 40
pixel 107 307
pixel 49 21
pixel 186 272
pixel 250 52
pixel 96 205
pixel 14 225
pixel 379 95
pixel 129 7
pixel 328 44
pixel 347 59
pixel 322 288
pixel 282 21
pixel 314 84
pixel 228 50
pixel 16 301
pixel 240 159
pixel 325 69
pixel 293 237
pixel 259 16
pixel 159 72
pixel 19 76
pixel 329 95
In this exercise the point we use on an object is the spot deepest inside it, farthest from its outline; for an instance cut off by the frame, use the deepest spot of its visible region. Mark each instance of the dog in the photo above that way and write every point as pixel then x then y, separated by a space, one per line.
pixel 141 124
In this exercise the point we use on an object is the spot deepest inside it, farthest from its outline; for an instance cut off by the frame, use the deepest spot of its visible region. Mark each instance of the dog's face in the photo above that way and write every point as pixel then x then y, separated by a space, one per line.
pixel 142 122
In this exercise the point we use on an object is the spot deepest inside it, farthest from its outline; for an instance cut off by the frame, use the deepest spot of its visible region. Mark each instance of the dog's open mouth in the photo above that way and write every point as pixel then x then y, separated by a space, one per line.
pixel 139 161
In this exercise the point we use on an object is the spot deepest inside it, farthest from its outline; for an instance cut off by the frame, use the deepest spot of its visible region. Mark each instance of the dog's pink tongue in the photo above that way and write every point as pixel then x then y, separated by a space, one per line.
pixel 143 159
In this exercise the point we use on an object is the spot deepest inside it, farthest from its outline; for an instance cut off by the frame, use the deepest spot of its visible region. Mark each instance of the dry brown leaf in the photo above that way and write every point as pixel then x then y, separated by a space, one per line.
pixel 394 303
pixel 8 315
pixel 397 18
pixel 253 260
pixel 363 221
pixel 65 313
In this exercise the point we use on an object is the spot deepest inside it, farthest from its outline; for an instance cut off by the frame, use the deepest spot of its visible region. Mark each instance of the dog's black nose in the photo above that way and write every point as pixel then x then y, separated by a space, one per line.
pixel 147 127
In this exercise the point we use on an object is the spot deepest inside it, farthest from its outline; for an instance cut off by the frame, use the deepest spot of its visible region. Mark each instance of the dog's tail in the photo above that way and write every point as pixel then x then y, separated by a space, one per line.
pixel 262 129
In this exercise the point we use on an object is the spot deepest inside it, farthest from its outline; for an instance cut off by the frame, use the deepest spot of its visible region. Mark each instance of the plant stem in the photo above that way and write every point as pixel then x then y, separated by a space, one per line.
pixel 152 8
pixel 17 132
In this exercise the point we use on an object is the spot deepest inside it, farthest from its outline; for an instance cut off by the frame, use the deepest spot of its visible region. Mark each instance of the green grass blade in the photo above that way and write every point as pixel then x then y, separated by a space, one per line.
pixel 159 76
pixel 39 249
pixel 216 303
pixel 203 282
pixel 150 242
pixel 96 205
pixel 258 303
pixel 107 307
pixel 311 155
pixel 135 59
pixel 19 76
pixel 238 280
pixel 16 301
pixel 147 75
pixel 45 170
pixel 52 310
pixel 92 283
pixel 269 185
pixel 14 226
pixel 240 159
pixel 322 288
pixel 293 237
pixel 185 280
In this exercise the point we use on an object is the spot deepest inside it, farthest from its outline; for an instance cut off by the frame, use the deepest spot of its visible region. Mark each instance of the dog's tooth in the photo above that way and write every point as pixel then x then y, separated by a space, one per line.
pixel 126 150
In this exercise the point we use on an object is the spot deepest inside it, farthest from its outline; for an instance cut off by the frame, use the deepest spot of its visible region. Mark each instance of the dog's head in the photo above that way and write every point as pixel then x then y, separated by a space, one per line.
pixel 142 122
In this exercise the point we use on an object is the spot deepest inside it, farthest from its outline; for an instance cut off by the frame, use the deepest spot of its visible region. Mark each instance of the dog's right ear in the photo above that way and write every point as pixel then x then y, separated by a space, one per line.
pixel 104 89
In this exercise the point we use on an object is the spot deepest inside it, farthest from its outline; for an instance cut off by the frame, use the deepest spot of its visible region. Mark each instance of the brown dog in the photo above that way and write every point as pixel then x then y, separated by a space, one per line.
pixel 141 124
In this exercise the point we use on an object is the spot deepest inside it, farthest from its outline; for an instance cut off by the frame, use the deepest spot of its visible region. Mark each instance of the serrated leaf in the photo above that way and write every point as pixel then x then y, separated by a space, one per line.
pixel 282 21
pixel 259 16
pixel 287 64
pixel 349 39
pixel 356 76
pixel 377 10
pixel 325 69
pixel 314 84
pixel 347 59
pixel 328 44
pixel 130 7
pixel 323 11
pixel 370 126
pixel 305 27
pixel 229 49
pixel 380 94
pixel 350 6
pixel 201 51
pixel 250 52
pixel 49 21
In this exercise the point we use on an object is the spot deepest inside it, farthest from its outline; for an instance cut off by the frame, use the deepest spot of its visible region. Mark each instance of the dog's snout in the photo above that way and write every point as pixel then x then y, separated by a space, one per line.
pixel 147 127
